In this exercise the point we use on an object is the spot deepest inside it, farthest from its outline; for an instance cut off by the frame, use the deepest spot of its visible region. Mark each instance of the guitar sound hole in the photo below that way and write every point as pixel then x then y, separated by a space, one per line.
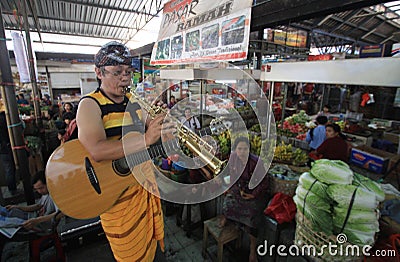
pixel 121 167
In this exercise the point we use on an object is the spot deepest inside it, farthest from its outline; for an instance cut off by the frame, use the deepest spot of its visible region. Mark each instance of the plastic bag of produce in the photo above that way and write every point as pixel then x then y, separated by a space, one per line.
pixel 332 172
pixel 356 215
pixel 321 220
pixel 307 181
pixel 368 184
pixel 312 199
pixel 342 194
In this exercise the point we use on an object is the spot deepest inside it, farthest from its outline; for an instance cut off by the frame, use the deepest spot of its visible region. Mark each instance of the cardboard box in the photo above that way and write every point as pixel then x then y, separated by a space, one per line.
pixel 370 158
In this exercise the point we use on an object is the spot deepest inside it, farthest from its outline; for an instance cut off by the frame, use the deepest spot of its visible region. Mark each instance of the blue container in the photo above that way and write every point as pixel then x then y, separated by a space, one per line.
pixel 178 166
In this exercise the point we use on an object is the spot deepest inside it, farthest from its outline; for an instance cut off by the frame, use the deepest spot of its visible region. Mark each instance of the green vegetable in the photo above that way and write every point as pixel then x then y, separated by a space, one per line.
pixel 359 238
pixel 356 215
pixel 367 228
pixel 368 184
pixel 332 172
pixel 321 220
pixel 319 188
pixel 312 199
pixel 342 195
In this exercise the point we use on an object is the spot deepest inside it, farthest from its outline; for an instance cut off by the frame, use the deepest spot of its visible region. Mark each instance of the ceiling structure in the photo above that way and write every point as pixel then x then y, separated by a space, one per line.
pixel 97 22
pixel 328 22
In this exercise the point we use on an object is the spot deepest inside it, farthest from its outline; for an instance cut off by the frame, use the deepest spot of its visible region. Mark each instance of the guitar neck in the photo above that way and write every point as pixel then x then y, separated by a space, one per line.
pixel 157 150
pixel 152 152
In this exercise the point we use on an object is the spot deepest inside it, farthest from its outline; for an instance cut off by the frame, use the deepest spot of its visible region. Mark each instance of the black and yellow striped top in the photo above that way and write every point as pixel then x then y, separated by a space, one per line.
pixel 118 118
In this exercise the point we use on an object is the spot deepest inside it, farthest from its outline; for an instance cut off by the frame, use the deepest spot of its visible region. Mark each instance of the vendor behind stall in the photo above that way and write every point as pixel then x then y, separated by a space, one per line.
pixel 335 146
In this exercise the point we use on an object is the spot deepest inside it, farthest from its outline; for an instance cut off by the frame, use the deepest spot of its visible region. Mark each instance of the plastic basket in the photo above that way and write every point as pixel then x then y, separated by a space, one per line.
pixel 287 187
pixel 306 236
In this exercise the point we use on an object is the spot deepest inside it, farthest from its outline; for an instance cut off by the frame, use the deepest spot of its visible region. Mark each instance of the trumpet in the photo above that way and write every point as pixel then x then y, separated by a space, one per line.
pixel 193 142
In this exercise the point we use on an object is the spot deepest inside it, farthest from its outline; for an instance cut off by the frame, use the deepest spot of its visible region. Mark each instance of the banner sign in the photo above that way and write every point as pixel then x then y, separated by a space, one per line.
pixel 200 30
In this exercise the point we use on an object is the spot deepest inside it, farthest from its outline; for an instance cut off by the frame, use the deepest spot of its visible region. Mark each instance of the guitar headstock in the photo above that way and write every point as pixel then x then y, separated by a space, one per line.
pixel 217 126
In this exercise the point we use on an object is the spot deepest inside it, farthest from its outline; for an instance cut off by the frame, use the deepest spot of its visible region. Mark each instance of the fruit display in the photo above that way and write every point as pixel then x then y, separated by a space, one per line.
pixel 294 125
pixel 256 128
pixel 283 152
pixel 342 124
pixel 224 143
pixel 255 143
pixel 300 118
pixel 300 157
pixel 301 136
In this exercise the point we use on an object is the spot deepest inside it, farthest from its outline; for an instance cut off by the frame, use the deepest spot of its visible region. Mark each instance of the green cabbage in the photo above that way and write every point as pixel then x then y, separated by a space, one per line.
pixel 367 228
pixel 312 199
pixel 321 220
pixel 342 195
pixel 359 238
pixel 319 188
pixel 332 172
pixel 365 182
pixel 356 215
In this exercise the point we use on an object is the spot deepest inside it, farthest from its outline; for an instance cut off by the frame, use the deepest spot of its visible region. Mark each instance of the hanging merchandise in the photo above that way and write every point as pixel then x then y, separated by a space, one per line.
pixel 21 57
pixel 371 99
pixel 364 99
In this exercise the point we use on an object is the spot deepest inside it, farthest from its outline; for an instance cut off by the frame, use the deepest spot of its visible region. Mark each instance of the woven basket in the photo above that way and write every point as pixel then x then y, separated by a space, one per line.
pixel 305 235
pixel 287 187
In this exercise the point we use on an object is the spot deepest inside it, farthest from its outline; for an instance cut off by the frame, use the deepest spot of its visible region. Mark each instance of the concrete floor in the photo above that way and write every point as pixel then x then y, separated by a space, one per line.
pixel 178 247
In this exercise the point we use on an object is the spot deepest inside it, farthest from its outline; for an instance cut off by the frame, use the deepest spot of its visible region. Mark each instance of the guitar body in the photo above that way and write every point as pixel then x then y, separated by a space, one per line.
pixel 83 188
pixel 70 187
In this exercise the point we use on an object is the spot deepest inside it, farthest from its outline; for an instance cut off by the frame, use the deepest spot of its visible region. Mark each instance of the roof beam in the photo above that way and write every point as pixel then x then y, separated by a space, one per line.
pixel 109 37
pixel 109 7
pixel 75 21
pixel 321 32
pixel 359 27
pixel 273 13
pixel 346 19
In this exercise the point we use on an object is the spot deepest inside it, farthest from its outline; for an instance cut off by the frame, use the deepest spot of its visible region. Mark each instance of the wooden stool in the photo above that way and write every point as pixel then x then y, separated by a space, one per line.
pixel 222 235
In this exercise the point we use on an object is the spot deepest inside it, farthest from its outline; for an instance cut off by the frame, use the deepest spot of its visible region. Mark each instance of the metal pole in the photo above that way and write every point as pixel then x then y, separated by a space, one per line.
pixel 13 120
pixel 271 100
pixel 32 73
pixel 284 101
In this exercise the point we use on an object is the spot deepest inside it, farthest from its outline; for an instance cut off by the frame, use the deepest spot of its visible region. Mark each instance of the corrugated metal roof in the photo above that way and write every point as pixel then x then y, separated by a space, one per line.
pixel 378 24
pixel 124 20
pixel 109 19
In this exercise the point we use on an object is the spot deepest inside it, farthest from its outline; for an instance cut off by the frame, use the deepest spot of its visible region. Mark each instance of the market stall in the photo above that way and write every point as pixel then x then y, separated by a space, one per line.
pixel 365 162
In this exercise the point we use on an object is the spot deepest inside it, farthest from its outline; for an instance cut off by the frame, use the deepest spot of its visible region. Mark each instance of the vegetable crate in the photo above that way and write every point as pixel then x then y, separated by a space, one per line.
pixel 305 236
pixel 287 187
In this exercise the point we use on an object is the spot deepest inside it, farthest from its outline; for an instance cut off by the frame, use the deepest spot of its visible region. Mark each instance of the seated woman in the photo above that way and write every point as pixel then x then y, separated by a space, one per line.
pixel 242 204
pixel 334 147
pixel 316 136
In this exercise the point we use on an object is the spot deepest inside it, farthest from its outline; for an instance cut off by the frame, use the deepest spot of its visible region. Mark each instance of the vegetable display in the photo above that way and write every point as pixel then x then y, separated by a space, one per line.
pixel 335 200
pixel 332 172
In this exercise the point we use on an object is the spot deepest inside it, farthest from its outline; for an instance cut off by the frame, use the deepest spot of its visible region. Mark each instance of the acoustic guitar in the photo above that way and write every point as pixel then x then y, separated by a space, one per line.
pixel 83 188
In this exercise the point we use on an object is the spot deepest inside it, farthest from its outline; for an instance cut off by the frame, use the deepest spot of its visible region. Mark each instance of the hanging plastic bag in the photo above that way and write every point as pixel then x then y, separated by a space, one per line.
pixel 282 208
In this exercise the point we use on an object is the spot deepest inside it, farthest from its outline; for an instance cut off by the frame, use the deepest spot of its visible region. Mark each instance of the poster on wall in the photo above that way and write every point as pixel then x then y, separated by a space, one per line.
pixel 201 30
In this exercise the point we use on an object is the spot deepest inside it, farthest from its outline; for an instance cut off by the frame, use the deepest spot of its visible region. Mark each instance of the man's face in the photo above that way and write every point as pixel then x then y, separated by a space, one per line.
pixel 40 188
pixel 115 79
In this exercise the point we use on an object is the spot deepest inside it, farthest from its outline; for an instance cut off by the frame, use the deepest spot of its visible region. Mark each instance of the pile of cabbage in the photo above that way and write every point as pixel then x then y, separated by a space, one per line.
pixel 325 196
